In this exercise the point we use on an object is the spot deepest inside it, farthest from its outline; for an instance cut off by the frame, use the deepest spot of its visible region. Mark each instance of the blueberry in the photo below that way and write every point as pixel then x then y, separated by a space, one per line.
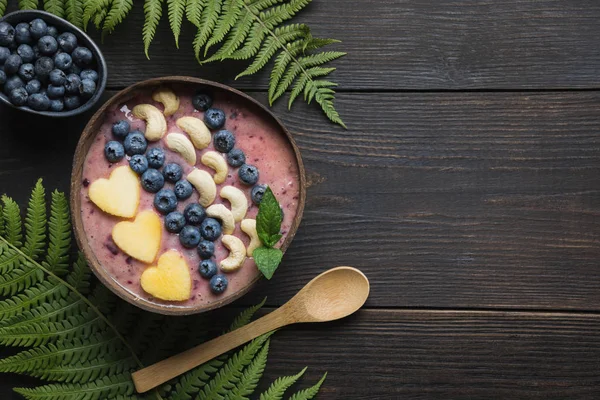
pixel 206 249
pixel 152 180
pixel 210 229
pixel 47 45
pixel 55 92
pixel 172 172
pixel 138 163
pixel 67 42
pixel 257 193
pixel 189 236
pixel 33 86
pixel 26 53
pixel 82 56
pixel 38 28
pixel 218 284
pixel 202 101
pixel 135 143
pixel 43 67
pixel 72 84
pixel 63 61
pixel 236 158
pixel 12 83
pixel 194 213
pixel 87 88
pixel 12 64
pixel 72 102
pixel 165 201
pixel 183 189
pixel 214 118
pixel 52 31
pixel 27 72
pixel 57 105
pixel 7 34
pixel 4 53
pixel 174 222
pixel 38 102
pixel 89 74
pixel 224 141
pixel 2 77
pixel 114 151
pixel 57 77
pixel 22 34
pixel 19 96
pixel 207 268
pixel 248 174
pixel 121 129
pixel 156 157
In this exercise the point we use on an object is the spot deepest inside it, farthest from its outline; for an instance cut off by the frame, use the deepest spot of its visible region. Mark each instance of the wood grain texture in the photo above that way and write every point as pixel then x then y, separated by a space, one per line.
pixel 486 200
pixel 405 44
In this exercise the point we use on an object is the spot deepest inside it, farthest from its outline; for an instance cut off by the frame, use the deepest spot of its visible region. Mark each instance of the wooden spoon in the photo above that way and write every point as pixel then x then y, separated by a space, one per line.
pixel 332 295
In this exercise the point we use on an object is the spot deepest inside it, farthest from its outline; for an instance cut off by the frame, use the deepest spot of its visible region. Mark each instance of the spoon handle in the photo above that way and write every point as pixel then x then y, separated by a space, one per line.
pixel 161 372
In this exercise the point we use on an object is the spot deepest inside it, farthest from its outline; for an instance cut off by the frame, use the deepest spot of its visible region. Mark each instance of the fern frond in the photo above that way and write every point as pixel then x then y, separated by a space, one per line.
pixel 278 388
pixel 3 4
pixel 93 8
pixel 208 20
pixel 246 315
pixel 311 392
pixel 35 222
pixel 176 9
pixel 250 377
pixel 28 4
pixel 118 11
pixel 193 11
pixel 235 38
pixel 230 12
pixel 107 387
pixel 9 259
pixel 99 18
pixel 281 64
pixel 11 214
pixel 55 7
pixel 74 12
pixel 302 82
pixel 59 234
pixel 43 292
pixel 152 13
pixel 19 279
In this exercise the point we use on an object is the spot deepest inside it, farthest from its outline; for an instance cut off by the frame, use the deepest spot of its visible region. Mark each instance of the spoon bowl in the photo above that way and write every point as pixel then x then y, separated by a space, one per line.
pixel 332 295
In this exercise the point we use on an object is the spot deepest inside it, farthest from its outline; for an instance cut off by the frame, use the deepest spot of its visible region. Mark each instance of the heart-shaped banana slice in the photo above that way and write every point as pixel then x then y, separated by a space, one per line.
pixel 119 195
pixel 170 279
pixel 141 238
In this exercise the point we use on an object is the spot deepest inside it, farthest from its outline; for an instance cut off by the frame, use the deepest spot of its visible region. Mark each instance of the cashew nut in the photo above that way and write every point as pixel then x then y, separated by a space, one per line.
pixel 205 185
pixel 169 100
pixel 237 253
pixel 214 160
pixel 179 143
pixel 238 200
pixel 156 125
pixel 198 132
pixel 223 213
pixel 249 228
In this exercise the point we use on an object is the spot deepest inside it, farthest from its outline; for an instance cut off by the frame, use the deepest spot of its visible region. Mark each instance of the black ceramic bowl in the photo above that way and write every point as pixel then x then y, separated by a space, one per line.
pixel 63 26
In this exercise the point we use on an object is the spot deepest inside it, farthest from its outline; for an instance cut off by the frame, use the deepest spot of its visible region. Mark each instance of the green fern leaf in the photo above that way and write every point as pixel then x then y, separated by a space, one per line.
pixel 278 388
pixel 176 10
pixel 230 12
pixel 118 11
pixel 59 234
pixel 11 214
pixel 28 4
pixel 193 11
pixel 19 279
pixel 245 316
pixel 309 393
pixel 99 18
pixel 94 8
pixel 55 7
pixel 301 83
pixel 208 20
pixel 152 13
pixel 103 388
pixel 250 377
pixel 74 12
pixel 3 4
pixel 9 259
pixel 35 222
pixel 282 62
pixel 44 292
pixel 325 99
pixel 235 39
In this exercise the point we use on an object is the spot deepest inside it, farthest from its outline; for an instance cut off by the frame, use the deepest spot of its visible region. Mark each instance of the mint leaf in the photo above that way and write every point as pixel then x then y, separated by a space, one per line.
pixel 267 260
pixel 268 220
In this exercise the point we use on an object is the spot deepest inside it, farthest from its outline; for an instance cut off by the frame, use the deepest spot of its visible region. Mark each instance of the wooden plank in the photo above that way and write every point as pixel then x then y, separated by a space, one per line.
pixel 485 200
pixel 383 354
pixel 406 44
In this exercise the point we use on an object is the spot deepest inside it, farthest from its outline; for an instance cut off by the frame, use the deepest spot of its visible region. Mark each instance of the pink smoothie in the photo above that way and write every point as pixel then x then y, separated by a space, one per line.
pixel 265 147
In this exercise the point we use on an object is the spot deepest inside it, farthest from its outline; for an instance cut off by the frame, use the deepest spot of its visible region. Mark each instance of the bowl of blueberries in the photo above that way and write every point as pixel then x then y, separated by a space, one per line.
pixel 48 66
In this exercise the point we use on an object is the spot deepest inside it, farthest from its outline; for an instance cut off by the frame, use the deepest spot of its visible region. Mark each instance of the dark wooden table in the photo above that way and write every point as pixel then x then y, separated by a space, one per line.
pixel 467 188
